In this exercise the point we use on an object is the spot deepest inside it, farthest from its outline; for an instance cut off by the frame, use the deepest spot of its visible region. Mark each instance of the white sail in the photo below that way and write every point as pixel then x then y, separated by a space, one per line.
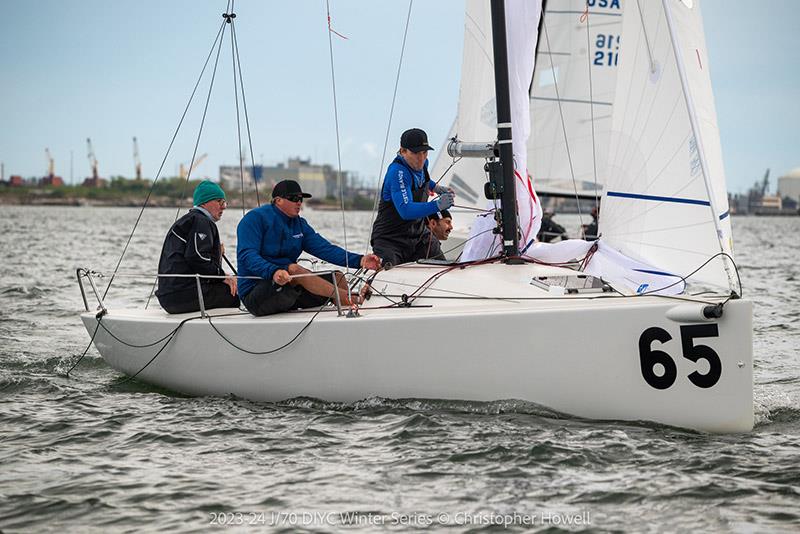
pixel 657 207
pixel 572 93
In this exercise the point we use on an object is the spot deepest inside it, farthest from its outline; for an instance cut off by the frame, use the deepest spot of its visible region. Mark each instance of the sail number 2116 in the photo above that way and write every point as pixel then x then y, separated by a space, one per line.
pixel 650 357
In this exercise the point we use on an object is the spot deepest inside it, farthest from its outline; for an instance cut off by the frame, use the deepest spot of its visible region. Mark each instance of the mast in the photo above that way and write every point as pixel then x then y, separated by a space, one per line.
pixel 508 197
pixel 698 140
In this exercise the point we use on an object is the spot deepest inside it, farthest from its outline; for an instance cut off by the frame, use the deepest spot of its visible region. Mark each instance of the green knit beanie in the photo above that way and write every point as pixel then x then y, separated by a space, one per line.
pixel 206 191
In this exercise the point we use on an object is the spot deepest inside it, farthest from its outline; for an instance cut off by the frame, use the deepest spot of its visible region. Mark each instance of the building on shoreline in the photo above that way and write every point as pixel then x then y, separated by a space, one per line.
pixel 320 181
pixel 789 187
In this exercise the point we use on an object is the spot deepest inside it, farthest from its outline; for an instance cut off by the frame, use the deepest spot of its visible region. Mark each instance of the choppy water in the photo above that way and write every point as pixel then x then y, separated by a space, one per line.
pixel 94 453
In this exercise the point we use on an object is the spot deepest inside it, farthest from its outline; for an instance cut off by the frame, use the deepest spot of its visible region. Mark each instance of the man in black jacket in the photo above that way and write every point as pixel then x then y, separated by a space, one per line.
pixel 192 246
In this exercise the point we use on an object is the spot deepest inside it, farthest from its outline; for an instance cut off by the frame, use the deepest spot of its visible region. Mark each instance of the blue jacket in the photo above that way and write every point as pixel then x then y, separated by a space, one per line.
pixel 397 189
pixel 269 240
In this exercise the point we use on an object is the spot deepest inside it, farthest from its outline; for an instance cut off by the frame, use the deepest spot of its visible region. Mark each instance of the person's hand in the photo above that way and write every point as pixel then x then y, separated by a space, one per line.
pixel 441 189
pixel 281 277
pixel 371 262
pixel 230 281
pixel 446 201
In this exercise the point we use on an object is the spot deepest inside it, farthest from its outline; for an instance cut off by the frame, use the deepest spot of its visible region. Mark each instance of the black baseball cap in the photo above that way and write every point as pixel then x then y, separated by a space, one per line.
pixel 444 214
pixel 288 188
pixel 415 140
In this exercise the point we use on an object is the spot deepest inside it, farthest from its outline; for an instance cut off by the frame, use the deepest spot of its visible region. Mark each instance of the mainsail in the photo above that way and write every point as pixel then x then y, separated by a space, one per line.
pixel 666 182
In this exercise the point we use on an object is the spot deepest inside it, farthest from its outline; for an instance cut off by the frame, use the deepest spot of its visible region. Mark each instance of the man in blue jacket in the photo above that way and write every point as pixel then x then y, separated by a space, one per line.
pixel 270 239
pixel 397 235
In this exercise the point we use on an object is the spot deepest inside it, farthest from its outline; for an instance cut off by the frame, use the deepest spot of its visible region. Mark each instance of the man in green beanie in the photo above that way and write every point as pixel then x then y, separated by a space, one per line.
pixel 192 246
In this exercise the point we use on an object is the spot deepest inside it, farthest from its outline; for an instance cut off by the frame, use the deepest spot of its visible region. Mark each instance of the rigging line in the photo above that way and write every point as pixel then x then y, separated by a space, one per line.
pixel 246 116
pixel 685 278
pixel 99 318
pixel 196 144
pixel 338 146
pixel 646 40
pixel 469 239
pixel 563 124
pixel 134 346
pixel 473 209
pixel 455 160
pixel 169 337
pixel 164 160
pixel 591 110
pixel 379 189
pixel 236 99
pixel 202 123
pixel 271 351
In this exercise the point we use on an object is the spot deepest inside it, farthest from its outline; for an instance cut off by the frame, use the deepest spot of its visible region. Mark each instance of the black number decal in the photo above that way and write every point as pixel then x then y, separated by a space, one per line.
pixel 701 352
pixel 649 358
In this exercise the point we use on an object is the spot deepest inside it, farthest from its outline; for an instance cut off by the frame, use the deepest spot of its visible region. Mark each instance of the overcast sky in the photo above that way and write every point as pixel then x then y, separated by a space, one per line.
pixel 111 70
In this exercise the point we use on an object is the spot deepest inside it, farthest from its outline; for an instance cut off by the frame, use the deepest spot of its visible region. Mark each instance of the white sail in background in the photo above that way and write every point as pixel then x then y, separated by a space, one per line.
pixel 560 85
pixel 656 207
pixel 577 86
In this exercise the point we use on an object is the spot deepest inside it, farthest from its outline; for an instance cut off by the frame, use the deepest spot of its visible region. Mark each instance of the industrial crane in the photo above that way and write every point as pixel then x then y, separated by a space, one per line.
pixel 198 161
pixel 136 161
pixel 51 166
pixel 92 158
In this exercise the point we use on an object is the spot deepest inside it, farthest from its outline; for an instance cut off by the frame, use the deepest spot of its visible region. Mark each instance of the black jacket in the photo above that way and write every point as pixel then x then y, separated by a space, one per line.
pixel 192 246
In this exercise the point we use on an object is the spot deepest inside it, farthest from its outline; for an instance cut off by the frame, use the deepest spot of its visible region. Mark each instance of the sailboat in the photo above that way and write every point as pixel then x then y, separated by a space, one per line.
pixel 616 339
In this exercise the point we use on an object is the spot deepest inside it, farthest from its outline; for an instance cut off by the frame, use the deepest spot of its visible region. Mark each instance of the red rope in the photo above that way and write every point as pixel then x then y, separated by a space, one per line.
pixel 330 29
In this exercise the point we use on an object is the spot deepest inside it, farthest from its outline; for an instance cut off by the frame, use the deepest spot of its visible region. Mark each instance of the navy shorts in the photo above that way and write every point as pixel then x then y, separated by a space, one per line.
pixel 267 298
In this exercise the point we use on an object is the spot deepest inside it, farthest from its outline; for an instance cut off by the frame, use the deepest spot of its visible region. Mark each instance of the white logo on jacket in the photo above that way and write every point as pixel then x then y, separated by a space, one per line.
pixel 402 186
pixel 298 236
pixel 201 235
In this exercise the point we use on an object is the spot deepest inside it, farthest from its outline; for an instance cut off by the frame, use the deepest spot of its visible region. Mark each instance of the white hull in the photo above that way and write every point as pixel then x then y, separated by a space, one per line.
pixel 580 356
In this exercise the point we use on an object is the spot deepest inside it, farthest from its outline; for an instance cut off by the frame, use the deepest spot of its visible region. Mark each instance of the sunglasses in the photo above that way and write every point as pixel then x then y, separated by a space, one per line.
pixel 294 198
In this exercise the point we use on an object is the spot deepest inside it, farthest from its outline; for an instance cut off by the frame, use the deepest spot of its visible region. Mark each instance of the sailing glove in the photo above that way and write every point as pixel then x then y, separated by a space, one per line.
pixel 441 189
pixel 445 201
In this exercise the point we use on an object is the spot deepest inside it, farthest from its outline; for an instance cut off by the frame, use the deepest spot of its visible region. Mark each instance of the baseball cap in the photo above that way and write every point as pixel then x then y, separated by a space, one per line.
pixel 287 188
pixel 415 140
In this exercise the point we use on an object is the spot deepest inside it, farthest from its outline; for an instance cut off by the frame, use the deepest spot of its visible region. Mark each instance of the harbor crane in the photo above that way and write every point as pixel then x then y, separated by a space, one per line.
pixel 184 174
pixel 92 158
pixel 137 162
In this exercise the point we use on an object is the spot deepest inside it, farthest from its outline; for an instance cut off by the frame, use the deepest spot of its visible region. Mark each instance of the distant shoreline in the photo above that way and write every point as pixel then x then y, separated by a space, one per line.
pixel 156 202
pixel 107 199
